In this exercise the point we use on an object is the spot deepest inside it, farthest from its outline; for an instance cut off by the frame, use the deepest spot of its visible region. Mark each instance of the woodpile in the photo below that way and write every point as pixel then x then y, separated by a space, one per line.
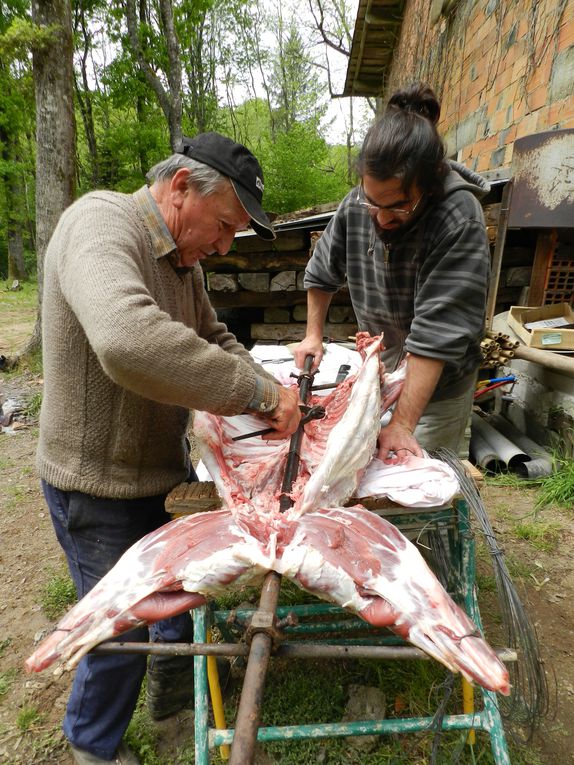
pixel 269 276
pixel 497 349
pixel 264 280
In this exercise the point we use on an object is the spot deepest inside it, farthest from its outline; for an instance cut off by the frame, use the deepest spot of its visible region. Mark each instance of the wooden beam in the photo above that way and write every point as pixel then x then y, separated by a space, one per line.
pixel 256 261
pixel 545 247
pixel 248 299
pixel 294 332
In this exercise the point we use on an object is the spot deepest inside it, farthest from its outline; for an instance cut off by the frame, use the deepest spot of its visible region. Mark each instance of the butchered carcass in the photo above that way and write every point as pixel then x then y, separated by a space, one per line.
pixel 348 556
pixel 165 573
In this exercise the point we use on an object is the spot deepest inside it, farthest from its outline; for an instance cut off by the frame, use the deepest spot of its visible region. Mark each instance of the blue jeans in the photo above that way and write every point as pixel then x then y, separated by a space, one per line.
pixel 94 532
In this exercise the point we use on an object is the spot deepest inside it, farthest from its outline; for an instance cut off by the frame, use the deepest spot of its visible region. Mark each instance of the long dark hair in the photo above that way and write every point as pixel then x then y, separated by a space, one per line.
pixel 404 142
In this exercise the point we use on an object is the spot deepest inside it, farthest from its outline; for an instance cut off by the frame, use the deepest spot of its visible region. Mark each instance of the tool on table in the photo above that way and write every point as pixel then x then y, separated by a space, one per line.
pixel 276 361
pixel 316 412
pixel 344 370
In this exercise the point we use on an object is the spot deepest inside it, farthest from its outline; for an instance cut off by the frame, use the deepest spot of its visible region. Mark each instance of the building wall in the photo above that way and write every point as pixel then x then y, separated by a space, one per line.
pixel 503 69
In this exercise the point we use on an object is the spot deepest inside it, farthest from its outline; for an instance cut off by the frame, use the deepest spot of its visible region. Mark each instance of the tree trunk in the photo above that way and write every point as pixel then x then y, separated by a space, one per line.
pixel 55 133
pixel 10 175
pixel 169 99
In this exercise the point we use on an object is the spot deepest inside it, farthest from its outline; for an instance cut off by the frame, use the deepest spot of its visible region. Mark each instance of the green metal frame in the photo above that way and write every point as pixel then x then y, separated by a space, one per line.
pixel 462 555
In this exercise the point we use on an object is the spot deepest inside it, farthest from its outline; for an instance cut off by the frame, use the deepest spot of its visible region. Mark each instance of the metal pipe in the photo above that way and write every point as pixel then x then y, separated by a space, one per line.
pixel 505 451
pixel 483 454
pixel 540 464
pixel 292 650
pixel 293 457
pixel 249 712
pixel 548 359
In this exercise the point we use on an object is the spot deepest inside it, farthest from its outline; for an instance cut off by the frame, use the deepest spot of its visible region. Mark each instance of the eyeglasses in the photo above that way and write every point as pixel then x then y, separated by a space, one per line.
pixel 376 209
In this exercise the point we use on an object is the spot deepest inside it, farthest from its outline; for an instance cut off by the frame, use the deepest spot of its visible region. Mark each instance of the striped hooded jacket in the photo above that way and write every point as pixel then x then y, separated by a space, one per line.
pixel 425 287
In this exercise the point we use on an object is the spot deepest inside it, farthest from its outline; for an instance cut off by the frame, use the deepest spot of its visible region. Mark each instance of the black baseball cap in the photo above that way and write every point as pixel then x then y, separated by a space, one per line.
pixel 237 163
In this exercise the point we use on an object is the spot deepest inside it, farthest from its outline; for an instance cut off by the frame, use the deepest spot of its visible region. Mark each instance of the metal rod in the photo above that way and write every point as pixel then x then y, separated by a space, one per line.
pixel 477 720
pixel 262 432
pixel 249 712
pixel 293 457
pixel 293 650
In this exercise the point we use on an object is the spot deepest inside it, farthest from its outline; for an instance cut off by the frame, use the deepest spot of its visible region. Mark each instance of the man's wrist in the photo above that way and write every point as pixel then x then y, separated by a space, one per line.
pixel 265 397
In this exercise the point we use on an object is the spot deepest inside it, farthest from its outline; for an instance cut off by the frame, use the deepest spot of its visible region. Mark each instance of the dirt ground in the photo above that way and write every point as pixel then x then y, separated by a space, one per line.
pixel 31 707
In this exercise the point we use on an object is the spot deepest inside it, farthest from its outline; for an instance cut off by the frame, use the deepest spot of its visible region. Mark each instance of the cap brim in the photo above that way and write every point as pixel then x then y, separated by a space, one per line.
pixel 260 222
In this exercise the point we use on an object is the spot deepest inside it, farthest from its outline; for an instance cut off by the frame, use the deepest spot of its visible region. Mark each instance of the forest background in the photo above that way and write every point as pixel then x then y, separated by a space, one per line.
pixel 143 73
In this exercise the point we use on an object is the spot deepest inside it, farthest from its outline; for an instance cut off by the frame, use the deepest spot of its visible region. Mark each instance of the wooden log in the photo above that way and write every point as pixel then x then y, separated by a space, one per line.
pixel 256 282
pixel 285 242
pixel 518 256
pixel 276 316
pixel 255 261
pixel 492 214
pixel 247 299
pixel 195 497
pixel 222 283
pixel 284 280
pixel 340 313
pixel 314 238
pixel 300 313
pixel 518 276
pixel 295 332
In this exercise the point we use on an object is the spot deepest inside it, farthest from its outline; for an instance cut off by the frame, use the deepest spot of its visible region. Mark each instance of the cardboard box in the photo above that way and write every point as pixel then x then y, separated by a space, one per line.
pixel 546 336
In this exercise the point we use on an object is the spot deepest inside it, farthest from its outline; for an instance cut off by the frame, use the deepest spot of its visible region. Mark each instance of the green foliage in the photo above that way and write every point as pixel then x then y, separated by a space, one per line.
pixel 33 404
pixel 299 172
pixel 142 735
pixel 6 680
pixel 57 594
pixel 557 489
pixel 21 36
pixel 27 718
pixel 542 536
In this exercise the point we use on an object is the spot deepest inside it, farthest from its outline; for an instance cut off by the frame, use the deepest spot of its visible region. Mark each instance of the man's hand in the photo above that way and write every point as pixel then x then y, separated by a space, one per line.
pixel 310 346
pixel 286 416
pixel 397 443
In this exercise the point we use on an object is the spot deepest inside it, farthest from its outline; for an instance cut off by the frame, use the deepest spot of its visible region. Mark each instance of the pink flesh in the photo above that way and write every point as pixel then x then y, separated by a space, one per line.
pixel 346 555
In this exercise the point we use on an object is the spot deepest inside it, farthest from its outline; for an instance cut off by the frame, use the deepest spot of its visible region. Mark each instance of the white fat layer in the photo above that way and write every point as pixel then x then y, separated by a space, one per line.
pixel 320 576
pixel 350 444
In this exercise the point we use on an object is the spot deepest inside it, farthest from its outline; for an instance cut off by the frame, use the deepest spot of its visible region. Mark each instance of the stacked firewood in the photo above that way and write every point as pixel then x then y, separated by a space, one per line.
pixel 497 349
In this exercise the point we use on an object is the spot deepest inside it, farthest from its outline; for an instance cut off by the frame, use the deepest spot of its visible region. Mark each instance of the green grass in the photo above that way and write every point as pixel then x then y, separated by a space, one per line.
pixel 542 536
pixel 15 495
pixel 57 594
pixel 27 718
pixel 557 489
pixel 517 568
pixel 4 645
pixel 6 680
pixel 142 735
pixel 33 404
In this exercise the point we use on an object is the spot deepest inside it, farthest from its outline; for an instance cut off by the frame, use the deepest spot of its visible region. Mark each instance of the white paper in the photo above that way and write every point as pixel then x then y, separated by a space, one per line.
pixel 559 321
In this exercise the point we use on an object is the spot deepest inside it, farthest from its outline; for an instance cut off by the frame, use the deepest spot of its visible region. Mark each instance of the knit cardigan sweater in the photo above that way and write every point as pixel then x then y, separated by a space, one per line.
pixel 129 347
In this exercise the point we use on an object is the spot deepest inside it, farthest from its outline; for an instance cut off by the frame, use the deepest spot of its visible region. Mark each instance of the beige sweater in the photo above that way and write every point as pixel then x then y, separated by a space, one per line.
pixel 129 347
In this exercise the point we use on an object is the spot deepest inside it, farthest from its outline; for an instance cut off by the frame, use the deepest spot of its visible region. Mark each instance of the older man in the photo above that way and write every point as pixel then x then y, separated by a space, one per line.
pixel 131 344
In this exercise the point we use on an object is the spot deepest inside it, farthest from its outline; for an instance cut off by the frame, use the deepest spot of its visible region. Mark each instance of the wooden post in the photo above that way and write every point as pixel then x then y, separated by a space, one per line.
pixel 545 247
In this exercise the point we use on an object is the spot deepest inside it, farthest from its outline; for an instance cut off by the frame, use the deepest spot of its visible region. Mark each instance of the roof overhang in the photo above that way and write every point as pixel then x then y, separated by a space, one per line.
pixel 377 30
